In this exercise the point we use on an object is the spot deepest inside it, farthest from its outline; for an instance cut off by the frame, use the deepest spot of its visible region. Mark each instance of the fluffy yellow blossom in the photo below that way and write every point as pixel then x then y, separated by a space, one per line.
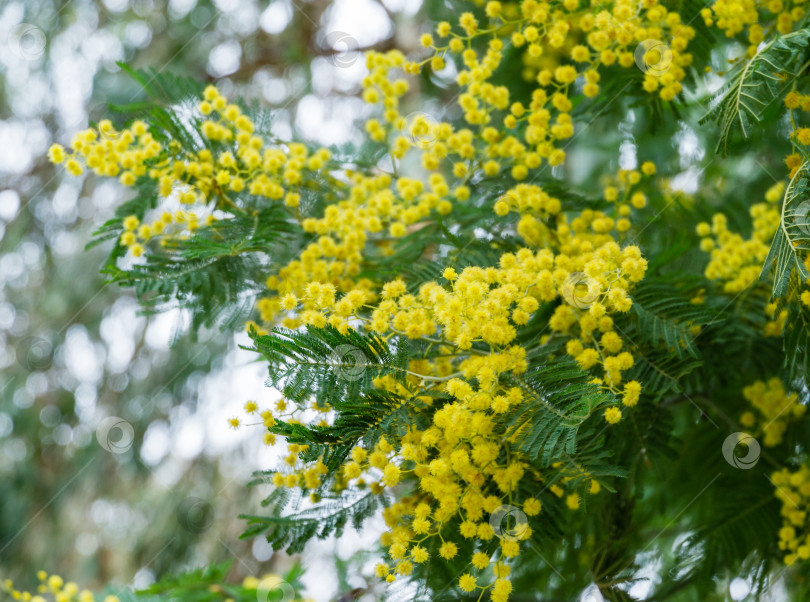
pixel 467 582
pixel 613 415
pixel 792 488
pixel 775 409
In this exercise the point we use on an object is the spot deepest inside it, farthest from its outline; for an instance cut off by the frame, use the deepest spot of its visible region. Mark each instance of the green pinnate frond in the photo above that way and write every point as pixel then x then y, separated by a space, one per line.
pixel 792 239
pixel 797 341
pixel 663 315
pixel 327 362
pixel 216 273
pixel 327 517
pixel 759 85
pixel 362 418
pixel 558 399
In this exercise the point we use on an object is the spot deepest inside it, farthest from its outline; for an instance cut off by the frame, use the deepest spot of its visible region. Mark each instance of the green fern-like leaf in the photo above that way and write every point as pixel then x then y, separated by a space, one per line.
pixel 759 85
pixel 663 315
pixel 792 235
pixel 216 273
pixel 797 342
pixel 328 517
pixel 365 417
pixel 334 365
pixel 559 399
pixel 662 371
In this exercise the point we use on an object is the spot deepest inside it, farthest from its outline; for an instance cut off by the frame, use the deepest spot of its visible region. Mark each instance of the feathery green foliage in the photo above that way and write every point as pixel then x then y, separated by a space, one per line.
pixel 755 93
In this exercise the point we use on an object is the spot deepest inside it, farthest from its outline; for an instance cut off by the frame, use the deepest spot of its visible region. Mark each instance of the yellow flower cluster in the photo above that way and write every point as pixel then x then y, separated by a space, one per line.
pixel 755 18
pixel 489 304
pixel 775 409
pixel 55 588
pixel 457 459
pixel 737 262
pixel 201 180
pixel 453 484
pixel 793 489
pixel 328 265
pixel 462 462
pixel 541 127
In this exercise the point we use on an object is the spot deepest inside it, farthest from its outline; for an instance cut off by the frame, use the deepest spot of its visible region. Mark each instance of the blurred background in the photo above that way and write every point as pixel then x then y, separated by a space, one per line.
pixel 116 462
